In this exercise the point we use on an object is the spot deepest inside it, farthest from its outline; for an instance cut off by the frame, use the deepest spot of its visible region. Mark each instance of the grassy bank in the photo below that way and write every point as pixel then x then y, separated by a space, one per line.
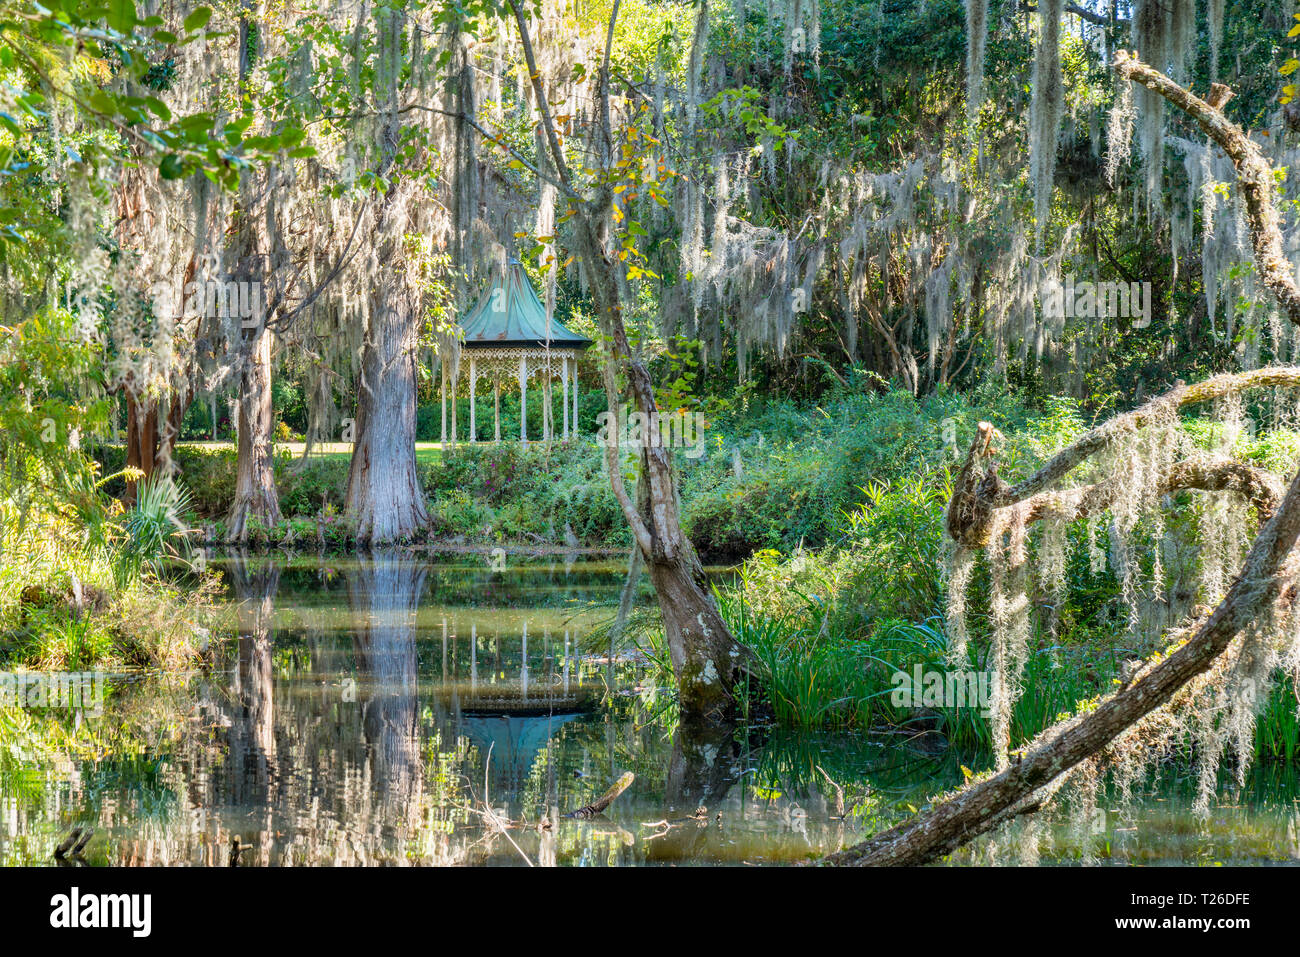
pixel 768 475
pixel 80 578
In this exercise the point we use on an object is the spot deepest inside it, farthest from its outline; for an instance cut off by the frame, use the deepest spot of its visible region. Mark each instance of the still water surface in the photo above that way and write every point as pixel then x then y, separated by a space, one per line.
pixel 437 711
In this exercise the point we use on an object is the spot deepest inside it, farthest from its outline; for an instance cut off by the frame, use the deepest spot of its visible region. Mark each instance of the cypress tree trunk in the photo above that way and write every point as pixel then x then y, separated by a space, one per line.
pixel 385 500
pixel 384 497
pixel 255 494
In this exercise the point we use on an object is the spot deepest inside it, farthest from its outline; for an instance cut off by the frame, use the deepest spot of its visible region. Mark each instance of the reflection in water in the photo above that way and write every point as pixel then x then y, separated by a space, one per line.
pixel 384 592
pixel 383 710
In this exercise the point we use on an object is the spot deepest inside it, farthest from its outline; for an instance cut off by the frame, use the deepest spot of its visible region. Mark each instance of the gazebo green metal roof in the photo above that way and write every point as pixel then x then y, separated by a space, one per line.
pixel 509 315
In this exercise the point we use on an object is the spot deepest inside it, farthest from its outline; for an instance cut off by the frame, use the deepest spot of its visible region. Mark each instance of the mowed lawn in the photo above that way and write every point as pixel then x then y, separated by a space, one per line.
pixel 426 453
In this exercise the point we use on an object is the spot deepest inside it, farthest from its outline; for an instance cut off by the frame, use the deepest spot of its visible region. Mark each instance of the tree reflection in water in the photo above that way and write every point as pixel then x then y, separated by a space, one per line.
pixel 354 716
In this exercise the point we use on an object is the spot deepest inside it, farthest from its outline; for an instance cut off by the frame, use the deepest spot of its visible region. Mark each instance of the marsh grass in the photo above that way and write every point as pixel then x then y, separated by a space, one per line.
pixel 85 586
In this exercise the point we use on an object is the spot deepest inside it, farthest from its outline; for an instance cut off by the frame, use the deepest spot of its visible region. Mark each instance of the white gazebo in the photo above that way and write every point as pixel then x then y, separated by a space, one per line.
pixel 508 336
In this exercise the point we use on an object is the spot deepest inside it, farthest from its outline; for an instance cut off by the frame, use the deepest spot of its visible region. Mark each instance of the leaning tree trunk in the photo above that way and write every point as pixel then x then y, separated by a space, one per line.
pixel 983 806
pixel 706 658
pixel 255 494
pixel 1267 582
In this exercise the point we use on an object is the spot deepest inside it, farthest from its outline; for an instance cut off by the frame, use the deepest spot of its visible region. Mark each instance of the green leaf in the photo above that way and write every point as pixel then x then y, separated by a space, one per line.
pixel 120 15
pixel 198 19
pixel 158 107
pixel 171 167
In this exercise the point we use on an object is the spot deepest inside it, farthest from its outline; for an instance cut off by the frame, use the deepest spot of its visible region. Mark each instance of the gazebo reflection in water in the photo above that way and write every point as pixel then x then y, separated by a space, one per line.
pixel 509 692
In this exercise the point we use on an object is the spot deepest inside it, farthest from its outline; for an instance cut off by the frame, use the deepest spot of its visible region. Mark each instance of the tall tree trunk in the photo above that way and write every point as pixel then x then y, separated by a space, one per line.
pixel 705 655
pixel 385 498
pixel 255 494
pixel 141 439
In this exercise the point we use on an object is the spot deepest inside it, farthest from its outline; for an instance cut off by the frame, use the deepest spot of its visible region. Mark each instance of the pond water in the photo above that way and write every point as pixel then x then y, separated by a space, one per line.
pixel 451 710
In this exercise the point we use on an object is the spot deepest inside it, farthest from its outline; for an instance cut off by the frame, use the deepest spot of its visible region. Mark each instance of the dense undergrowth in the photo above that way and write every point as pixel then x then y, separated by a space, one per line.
pixel 773 474
pixel 837 511
pixel 841 634
pixel 81 578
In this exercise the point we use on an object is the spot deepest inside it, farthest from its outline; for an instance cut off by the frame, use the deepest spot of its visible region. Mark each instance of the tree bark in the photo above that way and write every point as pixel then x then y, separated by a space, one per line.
pixel 1254 173
pixel 255 494
pixel 385 498
pixel 141 440
pixel 979 492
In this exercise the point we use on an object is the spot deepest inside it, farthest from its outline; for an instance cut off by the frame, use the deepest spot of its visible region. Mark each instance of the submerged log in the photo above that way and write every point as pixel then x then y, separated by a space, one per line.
pixel 67 843
pixel 605 800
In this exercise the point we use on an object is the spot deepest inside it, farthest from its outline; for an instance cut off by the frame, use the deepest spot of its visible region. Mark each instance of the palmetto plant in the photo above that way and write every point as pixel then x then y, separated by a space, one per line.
pixel 155 529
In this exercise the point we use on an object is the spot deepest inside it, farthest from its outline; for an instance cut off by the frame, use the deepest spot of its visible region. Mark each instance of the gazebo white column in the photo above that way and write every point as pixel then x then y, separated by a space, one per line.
pixel 575 396
pixel 548 413
pixel 443 363
pixel 564 393
pixel 496 405
pixel 523 400
pixel 473 413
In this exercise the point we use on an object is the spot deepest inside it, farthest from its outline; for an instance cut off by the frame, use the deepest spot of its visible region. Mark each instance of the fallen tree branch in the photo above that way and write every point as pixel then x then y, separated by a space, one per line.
pixel 599 805
pixel 939 831
pixel 1260 487
pixel 1267 576
pixel 978 492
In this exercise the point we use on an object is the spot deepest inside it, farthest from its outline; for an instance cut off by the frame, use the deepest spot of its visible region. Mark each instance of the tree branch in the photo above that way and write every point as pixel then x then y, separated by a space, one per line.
pixel 977 492
pixel 930 835
pixel 548 123
pixel 1254 172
